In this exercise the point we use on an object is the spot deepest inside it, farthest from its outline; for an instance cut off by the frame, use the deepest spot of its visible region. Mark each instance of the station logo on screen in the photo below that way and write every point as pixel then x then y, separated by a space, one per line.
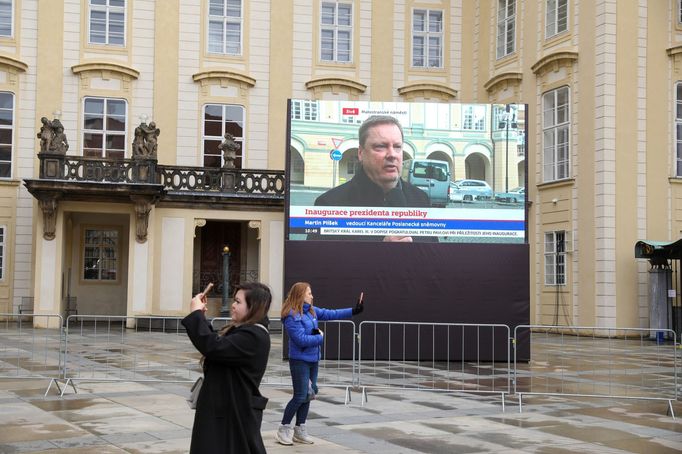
pixel 406 172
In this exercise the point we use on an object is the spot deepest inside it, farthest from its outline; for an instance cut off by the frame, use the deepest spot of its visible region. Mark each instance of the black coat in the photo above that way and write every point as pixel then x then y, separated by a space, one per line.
pixel 360 191
pixel 230 406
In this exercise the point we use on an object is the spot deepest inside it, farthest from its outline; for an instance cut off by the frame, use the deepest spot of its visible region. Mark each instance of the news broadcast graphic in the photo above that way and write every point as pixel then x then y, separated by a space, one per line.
pixel 467 159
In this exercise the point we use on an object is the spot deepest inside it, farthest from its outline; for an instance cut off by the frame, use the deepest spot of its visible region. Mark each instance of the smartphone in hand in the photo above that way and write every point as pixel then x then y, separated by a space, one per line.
pixel 362 294
pixel 207 289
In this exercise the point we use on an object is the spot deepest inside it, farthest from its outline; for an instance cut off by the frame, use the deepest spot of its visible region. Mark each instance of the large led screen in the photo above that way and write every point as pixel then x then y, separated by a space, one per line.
pixel 421 172
pixel 420 206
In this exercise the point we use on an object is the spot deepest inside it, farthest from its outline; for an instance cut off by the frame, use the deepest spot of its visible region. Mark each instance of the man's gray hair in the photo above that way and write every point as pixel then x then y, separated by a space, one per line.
pixel 376 120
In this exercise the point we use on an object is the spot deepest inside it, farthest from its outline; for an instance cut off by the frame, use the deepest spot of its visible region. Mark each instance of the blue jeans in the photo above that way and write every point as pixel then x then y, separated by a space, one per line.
pixel 302 372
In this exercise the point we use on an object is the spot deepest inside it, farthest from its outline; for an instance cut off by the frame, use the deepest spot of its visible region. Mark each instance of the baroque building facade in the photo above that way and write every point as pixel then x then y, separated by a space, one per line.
pixel 601 79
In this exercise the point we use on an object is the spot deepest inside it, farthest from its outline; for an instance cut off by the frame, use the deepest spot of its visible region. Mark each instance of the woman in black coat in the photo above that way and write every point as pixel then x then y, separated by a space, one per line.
pixel 230 406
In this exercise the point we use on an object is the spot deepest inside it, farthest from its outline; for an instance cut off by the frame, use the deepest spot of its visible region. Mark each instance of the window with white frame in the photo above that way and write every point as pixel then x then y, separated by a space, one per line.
pixel 100 254
pixel 556 19
pixel 679 11
pixel 506 27
pixel 678 129
pixel 104 128
pixel 427 38
pixel 220 119
pixel 555 258
pixel 3 248
pixel 473 117
pixel 107 22
pixel 556 128
pixel 6 17
pixel 225 27
pixel 336 28
pixel 304 110
pixel 6 133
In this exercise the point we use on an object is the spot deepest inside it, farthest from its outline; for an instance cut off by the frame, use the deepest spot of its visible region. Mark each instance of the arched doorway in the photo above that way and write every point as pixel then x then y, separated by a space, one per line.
pixel 476 166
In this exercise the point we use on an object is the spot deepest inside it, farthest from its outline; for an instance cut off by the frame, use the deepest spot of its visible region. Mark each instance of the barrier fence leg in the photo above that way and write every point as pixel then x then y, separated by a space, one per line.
pixel 49 385
pixel 502 402
pixel 364 396
pixel 520 409
pixel 67 383
pixel 670 408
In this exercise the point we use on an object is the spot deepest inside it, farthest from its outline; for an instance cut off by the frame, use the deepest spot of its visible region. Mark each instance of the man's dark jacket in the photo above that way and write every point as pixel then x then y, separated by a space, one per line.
pixel 360 191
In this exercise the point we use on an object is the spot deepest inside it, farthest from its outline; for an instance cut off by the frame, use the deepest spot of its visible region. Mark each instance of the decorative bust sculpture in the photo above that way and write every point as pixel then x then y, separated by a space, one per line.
pixel 229 147
pixel 145 142
pixel 52 137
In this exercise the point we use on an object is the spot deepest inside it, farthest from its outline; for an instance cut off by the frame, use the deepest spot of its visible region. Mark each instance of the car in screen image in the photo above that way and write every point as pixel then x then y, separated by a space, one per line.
pixel 516 195
pixel 470 190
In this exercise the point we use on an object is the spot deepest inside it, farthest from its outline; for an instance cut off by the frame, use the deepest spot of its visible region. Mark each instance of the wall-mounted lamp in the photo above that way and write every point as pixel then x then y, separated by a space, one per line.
pixel 555 200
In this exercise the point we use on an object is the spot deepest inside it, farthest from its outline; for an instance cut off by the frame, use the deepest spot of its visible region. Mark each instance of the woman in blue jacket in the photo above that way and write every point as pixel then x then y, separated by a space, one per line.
pixel 299 318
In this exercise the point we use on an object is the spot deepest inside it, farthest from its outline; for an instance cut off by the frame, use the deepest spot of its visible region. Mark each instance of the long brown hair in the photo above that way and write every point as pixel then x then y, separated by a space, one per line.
pixel 294 300
pixel 258 298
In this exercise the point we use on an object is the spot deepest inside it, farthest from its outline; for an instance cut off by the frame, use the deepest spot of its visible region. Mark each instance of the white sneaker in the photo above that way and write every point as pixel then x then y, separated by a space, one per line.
pixel 301 435
pixel 284 435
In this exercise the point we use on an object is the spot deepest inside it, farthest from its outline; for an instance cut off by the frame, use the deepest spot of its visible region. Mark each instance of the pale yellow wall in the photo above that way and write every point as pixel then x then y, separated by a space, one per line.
pixel 584 256
pixel 382 51
pixel 166 37
pixel 98 298
pixel 281 31
pixel 8 212
pixel 626 163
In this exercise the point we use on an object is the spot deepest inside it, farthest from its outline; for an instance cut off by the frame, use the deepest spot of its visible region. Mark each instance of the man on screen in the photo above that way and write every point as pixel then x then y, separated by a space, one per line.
pixel 377 181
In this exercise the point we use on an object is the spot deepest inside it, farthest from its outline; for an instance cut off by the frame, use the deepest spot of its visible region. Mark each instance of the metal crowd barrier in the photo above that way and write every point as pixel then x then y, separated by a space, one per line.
pixel 620 363
pixel 28 352
pixel 116 348
pixel 445 357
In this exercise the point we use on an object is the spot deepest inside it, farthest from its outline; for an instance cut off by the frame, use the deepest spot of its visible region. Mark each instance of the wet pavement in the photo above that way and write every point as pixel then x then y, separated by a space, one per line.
pixel 153 417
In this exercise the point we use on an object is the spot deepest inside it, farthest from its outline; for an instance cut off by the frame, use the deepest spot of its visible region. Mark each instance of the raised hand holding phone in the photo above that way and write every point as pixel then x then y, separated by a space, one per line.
pixel 359 307
pixel 199 301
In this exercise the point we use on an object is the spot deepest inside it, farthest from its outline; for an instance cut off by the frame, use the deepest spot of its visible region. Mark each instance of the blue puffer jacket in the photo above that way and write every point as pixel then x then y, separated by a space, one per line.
pixel 303 344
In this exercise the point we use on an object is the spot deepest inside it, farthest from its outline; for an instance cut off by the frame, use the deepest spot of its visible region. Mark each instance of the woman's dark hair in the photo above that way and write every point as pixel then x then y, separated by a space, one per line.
pixel 258 298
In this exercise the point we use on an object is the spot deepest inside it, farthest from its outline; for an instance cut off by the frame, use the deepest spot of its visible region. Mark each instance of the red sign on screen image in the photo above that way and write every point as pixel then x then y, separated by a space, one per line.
pixel 351 111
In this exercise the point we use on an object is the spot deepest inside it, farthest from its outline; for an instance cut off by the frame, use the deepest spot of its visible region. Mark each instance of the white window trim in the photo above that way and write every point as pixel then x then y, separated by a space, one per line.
pixel 240 140
pixel 555 13
pixel 554 128
pixel 117 257
pixel 104 131
pixel 554 257
pixel 427 34
pixel 677 120
pixel 11 20
pixel 3 251
pixel 335 28
pixel 225 21
pixel 107 8
pixel 505 22
pixel 11 128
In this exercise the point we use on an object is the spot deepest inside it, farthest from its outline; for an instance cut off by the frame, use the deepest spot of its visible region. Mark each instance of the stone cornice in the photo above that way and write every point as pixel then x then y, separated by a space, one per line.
pixel 335 82
pixel 122 71
pixel 427 89
pixel 224 75
pixel 14 63
pixel 510 77
pixel 560 57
